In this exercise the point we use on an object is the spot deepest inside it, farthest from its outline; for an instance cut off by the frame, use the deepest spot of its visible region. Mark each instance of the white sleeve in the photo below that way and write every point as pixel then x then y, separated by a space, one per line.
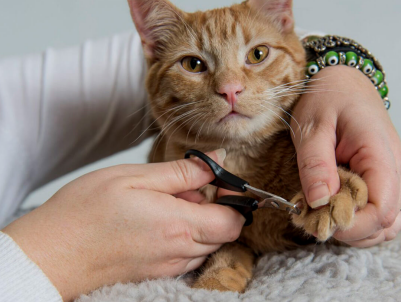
pixel 21 280
pixel 62 109
pixel 302 33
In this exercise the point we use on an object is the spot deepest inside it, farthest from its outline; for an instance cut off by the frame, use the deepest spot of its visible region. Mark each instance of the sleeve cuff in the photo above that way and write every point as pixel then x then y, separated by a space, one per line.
pixel 302 34
pixel 21 280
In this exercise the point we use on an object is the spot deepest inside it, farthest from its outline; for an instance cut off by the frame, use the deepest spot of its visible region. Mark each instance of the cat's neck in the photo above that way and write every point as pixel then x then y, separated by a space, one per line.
pixel 242 156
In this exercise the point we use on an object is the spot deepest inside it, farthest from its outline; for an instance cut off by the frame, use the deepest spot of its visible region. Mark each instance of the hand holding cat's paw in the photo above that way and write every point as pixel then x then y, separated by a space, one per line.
pixel 339 213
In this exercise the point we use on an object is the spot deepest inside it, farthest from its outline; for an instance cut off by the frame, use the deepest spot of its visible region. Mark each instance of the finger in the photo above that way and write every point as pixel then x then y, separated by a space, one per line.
pixel 379 237
pixel 367 242
pixel 373 163
pixel 176 176
pixel 391 232
pixel 201 250
pixel 193 264
pixel 191 196
pixel 215 224
pixel 375 235
pixel 383 184
pixel 317 165
pixel 223 192
pixel 366 223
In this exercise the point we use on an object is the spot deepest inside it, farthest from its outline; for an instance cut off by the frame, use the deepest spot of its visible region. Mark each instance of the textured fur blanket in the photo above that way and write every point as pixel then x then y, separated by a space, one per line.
pixel 315 273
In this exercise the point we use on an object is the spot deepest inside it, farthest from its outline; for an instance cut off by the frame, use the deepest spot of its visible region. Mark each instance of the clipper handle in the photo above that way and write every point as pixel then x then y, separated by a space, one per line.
pixel 243 204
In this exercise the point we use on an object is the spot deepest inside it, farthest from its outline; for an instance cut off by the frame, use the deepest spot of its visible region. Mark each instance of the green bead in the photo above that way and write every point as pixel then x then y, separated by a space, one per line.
pixel 378 78
pixel 383 91
pixel 367 67
pixel 312 68
pixel 332 58
pixel 351 59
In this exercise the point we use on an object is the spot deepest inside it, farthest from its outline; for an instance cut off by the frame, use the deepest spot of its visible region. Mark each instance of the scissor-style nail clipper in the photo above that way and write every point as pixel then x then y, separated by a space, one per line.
pixel 245 205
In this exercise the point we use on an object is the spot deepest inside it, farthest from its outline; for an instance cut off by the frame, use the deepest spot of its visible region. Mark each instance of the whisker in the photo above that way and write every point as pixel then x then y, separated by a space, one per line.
pixel 182 125
pixel 139 122
pixel 292 130
pixel 174 109
pixel 291 86
pixel 176 119
pixel 199 131
pixel 224 138
pixel 163 131
pixel 193 124
pixel 292 117
pixel 135 112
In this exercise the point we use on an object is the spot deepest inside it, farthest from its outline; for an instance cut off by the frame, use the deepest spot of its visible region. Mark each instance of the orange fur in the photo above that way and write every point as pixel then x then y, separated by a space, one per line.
pixel 191 113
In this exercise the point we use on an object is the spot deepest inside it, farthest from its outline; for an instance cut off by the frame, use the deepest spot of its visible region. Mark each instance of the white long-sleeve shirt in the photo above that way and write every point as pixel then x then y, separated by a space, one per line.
pixel 59 111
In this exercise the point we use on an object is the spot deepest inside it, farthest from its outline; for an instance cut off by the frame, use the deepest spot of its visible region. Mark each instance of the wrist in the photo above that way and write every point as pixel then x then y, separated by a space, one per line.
pixel 346 90
pixel 47 247
pixel 329 51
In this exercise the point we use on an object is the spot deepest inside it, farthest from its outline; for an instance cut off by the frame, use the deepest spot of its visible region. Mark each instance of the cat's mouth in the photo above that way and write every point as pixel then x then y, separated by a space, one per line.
pixel 233 115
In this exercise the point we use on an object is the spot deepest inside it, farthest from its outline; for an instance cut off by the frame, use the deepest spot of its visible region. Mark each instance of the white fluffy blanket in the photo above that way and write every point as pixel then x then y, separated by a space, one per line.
pixel 315 273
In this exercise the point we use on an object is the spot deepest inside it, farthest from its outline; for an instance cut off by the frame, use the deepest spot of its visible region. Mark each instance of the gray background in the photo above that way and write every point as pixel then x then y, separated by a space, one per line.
pixel 31 26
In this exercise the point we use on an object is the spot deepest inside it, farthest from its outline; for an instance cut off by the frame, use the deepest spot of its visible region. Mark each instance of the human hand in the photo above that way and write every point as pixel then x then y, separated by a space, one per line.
pixel 123 224
pixel 347 123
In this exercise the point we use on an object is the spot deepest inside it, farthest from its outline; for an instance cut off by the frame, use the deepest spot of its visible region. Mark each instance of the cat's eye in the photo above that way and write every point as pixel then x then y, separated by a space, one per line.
pixel 257 54
pixel 193 64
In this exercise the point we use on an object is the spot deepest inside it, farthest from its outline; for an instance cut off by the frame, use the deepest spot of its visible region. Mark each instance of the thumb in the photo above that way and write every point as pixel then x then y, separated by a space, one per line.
pixel 177 176
pixel 215 224
pixel 317 167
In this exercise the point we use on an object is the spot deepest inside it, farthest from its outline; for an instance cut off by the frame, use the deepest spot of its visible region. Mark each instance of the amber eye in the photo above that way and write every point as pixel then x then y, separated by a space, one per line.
pixel 257 54
pixel 193 64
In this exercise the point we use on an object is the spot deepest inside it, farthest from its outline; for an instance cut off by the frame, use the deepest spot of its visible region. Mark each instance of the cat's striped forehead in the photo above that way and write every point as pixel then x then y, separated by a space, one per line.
pixel 222 26
pixel 226 30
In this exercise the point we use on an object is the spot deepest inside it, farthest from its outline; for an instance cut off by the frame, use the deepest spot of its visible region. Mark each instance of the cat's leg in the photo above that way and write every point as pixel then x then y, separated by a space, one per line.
pixel 339 214
pixel 228 269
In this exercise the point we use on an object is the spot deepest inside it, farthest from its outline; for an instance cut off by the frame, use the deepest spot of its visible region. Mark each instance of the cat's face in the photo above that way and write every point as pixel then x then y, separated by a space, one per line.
pixel 217 77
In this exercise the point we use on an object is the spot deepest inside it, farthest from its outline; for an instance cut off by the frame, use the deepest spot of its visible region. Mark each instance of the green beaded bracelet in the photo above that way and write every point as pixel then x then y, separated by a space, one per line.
pixel 334 50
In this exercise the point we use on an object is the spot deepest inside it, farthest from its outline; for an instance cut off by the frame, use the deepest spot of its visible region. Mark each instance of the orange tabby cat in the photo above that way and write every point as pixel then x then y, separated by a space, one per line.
pixel 225 78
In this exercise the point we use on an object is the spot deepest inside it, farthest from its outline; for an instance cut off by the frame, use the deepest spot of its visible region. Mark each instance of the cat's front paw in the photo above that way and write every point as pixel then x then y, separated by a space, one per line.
pixel 340 211
pixel 229 269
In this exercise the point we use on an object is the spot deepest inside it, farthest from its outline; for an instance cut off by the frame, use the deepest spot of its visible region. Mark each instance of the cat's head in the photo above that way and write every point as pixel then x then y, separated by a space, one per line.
pixel 224 75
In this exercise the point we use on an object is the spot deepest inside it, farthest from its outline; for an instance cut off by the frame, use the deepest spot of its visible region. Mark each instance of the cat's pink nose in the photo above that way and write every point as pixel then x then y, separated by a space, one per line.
pixel 230 92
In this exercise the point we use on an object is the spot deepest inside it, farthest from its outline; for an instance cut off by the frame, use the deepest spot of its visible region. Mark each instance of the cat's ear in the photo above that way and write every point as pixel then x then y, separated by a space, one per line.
pixel 279 10
pixel 155 21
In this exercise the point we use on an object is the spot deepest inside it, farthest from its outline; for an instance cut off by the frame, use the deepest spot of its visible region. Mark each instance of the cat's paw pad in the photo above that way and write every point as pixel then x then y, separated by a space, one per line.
pixel 340 211
pixel 224 279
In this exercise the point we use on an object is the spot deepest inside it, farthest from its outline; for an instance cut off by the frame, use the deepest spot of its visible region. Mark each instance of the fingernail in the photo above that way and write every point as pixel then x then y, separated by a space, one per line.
pixel 319 195
pixel 221 155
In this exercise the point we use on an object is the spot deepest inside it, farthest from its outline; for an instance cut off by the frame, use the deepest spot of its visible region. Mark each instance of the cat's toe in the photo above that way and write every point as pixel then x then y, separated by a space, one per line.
pixel 343 210
pixel 224 279
pixel 356 187
pixel 325 225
